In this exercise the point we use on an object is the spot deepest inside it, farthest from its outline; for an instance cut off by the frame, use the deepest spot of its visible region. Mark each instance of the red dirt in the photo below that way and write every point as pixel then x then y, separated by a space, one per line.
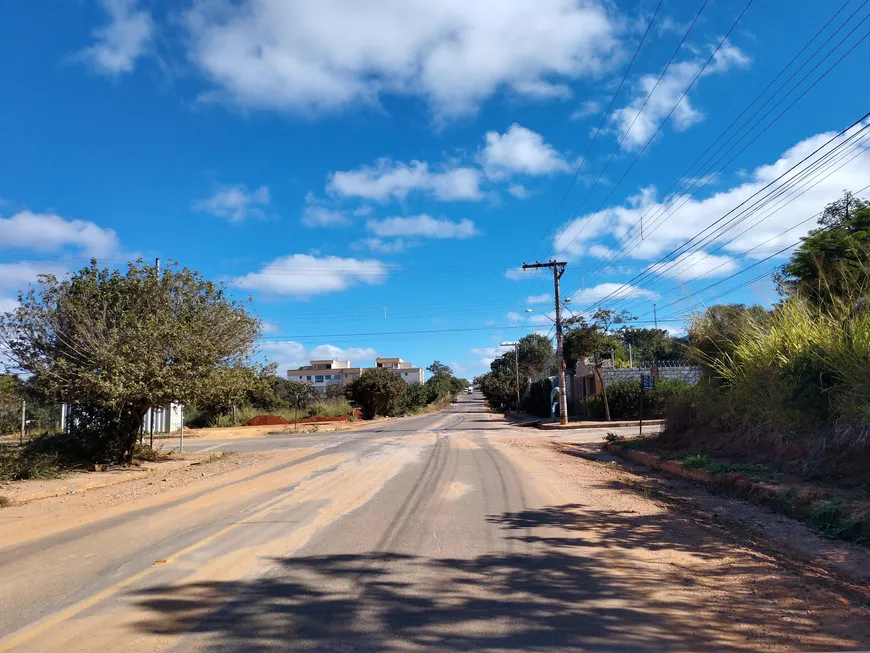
pixel 266 420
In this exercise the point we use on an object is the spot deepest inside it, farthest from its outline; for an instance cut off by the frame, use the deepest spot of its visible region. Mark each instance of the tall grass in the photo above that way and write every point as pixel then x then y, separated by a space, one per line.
pixel 801 371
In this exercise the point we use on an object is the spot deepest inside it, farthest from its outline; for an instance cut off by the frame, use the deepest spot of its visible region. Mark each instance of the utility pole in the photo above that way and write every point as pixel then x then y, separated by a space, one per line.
pixel 655 316
pixel 23 419
pixel 558 268
pixel 181 446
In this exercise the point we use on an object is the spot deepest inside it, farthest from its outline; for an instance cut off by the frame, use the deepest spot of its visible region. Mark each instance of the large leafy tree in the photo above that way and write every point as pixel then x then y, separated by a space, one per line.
pixel 117 343
pixel 830 258
pixel 651 344
pixel 378 391
pixel 593 340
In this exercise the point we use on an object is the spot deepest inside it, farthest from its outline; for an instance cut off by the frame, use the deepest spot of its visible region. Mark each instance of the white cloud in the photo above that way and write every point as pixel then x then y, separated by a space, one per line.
pixel 384 246
pixel 543 90
pixel 519 150
pixel 291 355
pixel 303 275
pixel 674 82
pixel 49 232
pixel 539 299
pixel 424 226
pixel 600 251
pixel 515 274
pixel 773 226
pixel 513 316
pixel 122 41
pixel 488 354
pixel 322 56
pixel 17 276
pixel 603 290
pixel 519 191
pixel 586 109
pixel 7 304
pixel 695 265
pixel 235 203
pixel 387 180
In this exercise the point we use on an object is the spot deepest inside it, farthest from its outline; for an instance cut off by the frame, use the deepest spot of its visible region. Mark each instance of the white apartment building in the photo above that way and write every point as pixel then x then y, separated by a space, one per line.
pixel 324 373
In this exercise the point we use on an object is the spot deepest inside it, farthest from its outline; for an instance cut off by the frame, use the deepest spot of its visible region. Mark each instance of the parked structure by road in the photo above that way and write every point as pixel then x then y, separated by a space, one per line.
pixel 324 373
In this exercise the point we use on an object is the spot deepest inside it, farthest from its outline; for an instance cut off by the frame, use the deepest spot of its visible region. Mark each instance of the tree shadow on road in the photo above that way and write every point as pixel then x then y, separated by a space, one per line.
pixel 567 579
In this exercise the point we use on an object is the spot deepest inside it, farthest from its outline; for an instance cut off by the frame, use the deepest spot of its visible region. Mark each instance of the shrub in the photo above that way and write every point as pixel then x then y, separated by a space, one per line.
pixel 330 408
pixel 23 463
pixel 624 396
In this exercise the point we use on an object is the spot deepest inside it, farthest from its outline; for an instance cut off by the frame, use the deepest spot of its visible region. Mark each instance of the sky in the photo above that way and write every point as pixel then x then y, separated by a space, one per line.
pixel 373 175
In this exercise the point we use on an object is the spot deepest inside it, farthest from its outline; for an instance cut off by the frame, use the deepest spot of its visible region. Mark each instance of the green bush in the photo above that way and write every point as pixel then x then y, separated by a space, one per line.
pixel 624 398
pixel 23 463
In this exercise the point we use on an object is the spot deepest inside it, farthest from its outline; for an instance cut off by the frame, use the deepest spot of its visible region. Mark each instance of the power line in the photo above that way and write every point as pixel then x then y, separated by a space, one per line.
pixel 707 179
pixel 678 250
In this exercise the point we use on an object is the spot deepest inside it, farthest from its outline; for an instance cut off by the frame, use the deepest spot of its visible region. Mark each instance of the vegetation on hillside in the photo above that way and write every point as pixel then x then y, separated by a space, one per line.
pixel 793 381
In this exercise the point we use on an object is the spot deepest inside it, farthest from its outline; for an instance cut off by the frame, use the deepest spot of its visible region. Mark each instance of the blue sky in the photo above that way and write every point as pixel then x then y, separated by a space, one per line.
pixel 372 174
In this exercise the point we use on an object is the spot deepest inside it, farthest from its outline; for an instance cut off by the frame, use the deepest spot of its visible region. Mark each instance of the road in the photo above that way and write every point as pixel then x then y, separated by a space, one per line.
pixel 444 532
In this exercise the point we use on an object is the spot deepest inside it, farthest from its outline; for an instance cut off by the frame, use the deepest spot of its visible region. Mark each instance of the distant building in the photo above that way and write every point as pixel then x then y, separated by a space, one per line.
pixel 324 373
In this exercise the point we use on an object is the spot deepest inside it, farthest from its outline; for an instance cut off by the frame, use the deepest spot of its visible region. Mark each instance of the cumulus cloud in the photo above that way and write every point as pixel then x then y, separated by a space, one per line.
pixel 423 226
pixel 123 40
pixel 695 265
pixel 384 246
pixel 515 274
pixel 519 151
pixel 603 290
pixel 303 275
pixel 291 355
pixel 321 56
pixel 777 224
pixel 45 232
pixel 586 109
pixel 673 84
pixel 389 180
pixel 488 354
pixel 235 203
pixel 17 276
pixel 519 191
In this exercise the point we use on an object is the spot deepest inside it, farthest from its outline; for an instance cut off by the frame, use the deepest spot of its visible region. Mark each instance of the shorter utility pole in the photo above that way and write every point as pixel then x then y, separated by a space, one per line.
pixel 655 317
pixel 181 447
pixel 516 347
pixel 558 268
pixel 23 419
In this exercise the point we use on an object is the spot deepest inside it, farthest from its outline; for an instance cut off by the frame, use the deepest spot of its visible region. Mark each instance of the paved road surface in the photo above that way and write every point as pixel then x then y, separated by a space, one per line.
pixel 426 534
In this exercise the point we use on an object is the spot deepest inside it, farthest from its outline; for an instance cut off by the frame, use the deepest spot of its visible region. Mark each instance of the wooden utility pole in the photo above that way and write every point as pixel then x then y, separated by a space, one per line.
pixel 558 268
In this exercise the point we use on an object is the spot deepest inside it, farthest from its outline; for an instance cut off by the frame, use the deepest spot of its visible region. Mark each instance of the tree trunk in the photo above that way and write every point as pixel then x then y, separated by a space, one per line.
pixel 129 424
pixel 604 394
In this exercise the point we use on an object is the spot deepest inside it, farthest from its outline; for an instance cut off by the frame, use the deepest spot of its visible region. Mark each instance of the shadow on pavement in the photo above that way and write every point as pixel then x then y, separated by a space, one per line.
pixel 575 585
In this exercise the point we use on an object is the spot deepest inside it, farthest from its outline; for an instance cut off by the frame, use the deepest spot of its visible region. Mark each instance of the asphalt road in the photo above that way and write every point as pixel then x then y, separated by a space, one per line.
pixel 426 534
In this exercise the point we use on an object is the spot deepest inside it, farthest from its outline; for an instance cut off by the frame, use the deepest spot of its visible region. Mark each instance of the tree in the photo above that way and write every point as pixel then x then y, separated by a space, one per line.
pixel 498 389
pixel 378 391
pixel 117 343
pixel 651 344
pixel 594 341
pixel 441 383
pixel 536 358
pixel 437 368
pixel 714 334
pixel 830 258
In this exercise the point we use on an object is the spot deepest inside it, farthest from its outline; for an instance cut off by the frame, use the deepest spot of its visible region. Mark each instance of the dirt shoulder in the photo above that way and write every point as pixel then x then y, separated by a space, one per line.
pixel 730 567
